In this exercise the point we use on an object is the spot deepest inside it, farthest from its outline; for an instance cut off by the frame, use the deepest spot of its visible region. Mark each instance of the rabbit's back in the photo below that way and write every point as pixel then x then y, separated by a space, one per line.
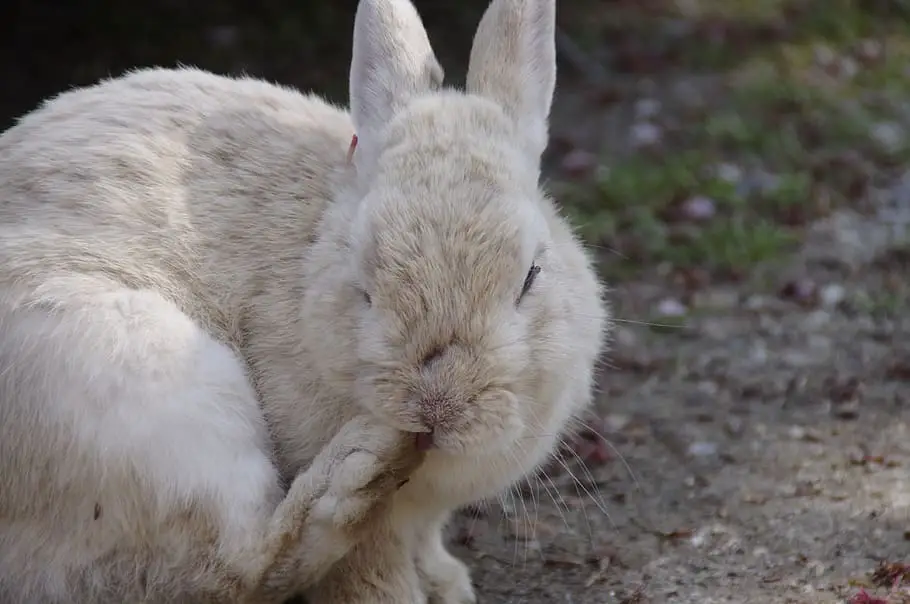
pixel 195 185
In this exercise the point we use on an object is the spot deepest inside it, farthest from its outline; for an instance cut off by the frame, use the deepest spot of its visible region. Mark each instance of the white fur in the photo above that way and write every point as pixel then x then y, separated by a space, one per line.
pixel 198 254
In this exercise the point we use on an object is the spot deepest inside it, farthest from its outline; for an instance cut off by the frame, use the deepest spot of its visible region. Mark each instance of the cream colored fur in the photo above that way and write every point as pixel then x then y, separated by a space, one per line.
pixel 201 299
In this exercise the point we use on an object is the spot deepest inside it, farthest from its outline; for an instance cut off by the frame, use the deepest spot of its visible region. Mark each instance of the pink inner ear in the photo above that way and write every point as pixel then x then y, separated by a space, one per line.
pixel 352 147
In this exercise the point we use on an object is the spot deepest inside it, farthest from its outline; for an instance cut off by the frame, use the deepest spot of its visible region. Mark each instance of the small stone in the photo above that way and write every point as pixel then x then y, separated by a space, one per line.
pixel 824 56
pixel 615 422
pixel 796 432
pixel 757 302
pixel 730 173
pixel 647 108
pixel 645 134
pixel 703 449
pixel 699 208
pixel 869 50
pixel 758 354
pixel 890 135
pixel 786 490
pixel 831 295
pixel 670 307
pixel 848 68
pixel 708 387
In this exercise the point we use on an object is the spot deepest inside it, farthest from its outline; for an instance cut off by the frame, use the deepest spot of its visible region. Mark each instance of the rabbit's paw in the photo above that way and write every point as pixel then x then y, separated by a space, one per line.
pixel 368 463
pixel 445 579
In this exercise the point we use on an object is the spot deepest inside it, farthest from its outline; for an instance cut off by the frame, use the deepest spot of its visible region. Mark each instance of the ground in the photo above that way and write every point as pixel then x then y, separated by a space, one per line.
pixel 740 170
pixel 748 194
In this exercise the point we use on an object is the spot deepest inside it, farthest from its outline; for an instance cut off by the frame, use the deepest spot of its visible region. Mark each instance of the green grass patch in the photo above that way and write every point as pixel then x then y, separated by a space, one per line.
pixel 811 111
pixel 638 208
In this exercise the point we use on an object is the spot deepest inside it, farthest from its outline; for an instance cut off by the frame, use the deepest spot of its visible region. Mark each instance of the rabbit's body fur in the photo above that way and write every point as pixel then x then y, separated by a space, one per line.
pixel 150 228
pixel 200 294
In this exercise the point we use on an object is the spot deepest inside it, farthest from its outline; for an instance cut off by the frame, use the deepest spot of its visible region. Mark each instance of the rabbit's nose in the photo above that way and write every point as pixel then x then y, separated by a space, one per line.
pixel 435 412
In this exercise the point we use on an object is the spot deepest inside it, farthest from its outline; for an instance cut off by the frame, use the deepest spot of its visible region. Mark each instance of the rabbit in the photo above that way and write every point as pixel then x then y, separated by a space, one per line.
pixel 450 298
pixel 237 284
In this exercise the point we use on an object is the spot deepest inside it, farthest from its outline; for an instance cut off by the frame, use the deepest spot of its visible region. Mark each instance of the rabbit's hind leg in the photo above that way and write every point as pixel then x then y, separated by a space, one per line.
pixel 135 463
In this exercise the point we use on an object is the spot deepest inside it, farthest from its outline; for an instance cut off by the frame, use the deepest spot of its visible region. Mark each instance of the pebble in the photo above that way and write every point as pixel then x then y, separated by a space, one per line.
pixel 699 208
pixel 890 135
pixel 616 422
pixel 869 50
pixel 645 134
pixel 730 173
pixel 848 68
pixel 824 55
pixel 647 108
pixel 703 449
pixel 708 388
pixel 759 353
pixel 810 435
pixel 757 302
pixel 670 307
pixel 796 432
pixel 832 294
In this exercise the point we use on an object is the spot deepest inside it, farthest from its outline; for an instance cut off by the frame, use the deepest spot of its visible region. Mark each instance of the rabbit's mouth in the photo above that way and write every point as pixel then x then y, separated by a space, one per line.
pixel 425 440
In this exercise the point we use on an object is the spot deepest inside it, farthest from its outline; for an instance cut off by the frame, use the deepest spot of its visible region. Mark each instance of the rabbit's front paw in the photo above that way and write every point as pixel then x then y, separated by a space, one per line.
pixel 445 579
pixel 370 462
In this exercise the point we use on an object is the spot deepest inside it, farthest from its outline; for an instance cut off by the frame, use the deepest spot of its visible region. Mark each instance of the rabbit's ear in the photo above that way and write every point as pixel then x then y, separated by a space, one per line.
pixel 392 62
pixel 513 62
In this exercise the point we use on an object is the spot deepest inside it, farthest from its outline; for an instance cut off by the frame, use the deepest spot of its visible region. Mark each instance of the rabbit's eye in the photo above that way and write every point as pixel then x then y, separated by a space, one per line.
pixel 529 281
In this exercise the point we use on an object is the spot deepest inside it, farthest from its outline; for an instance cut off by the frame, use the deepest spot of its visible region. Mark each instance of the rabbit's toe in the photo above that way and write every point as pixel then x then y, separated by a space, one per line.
pixel 446 579
pixel 373 461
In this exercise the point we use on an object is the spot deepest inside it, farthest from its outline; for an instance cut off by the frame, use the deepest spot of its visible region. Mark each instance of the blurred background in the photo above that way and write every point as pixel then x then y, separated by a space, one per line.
pixel 739 169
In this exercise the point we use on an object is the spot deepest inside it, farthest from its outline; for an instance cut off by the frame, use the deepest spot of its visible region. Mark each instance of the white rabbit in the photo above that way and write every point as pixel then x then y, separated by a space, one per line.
pixel 158 228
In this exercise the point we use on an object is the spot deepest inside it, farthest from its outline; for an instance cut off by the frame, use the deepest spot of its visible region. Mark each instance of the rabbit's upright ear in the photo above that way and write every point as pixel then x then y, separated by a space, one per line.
pixel 513 62
pixel 392 62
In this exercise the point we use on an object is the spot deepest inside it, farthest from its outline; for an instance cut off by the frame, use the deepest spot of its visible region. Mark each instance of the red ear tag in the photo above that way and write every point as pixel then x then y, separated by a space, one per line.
pixel 351 148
